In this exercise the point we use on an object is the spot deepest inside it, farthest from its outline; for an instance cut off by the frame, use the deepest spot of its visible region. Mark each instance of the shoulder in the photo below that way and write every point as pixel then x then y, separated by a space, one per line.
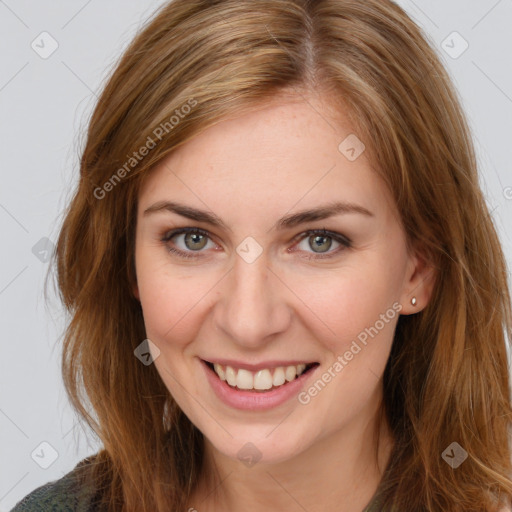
pixel 71 493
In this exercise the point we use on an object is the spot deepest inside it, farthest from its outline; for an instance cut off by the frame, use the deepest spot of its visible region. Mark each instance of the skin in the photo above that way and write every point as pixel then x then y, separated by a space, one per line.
pixel 250 171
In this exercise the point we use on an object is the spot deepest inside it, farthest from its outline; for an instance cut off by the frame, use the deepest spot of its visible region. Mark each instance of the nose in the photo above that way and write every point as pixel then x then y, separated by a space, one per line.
pixel 253 308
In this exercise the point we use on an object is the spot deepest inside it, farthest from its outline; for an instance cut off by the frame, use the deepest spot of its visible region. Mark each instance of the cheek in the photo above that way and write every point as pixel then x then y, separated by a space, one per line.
pixel 361 310
pixel 350 300
pixel 171 298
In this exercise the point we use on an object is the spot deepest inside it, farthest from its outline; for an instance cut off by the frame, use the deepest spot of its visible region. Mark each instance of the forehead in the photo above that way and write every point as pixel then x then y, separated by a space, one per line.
pixel 284 152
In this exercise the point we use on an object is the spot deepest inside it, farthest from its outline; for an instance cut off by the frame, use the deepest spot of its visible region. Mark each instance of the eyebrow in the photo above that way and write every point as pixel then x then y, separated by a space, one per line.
pixel 288 221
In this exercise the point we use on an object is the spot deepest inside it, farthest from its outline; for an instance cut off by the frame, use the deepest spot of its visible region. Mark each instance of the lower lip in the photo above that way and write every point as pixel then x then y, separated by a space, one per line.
pixel 255 400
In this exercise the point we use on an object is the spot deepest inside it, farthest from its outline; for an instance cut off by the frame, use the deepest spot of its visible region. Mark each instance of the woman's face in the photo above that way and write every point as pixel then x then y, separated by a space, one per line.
pixel 249 288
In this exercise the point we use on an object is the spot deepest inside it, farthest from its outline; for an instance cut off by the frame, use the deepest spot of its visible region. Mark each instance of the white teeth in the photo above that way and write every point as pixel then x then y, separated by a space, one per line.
pixel 261 380
pixel 279 377
pixel 219 371
pixel 244 379
pixel 230 376
pixel 290 373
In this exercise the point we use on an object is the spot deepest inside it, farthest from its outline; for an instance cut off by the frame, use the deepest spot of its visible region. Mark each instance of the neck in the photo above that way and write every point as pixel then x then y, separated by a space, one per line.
pixel 339 472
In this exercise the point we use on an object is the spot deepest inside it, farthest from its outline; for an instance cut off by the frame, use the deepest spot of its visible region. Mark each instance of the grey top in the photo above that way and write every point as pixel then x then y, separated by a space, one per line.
pixel 65 495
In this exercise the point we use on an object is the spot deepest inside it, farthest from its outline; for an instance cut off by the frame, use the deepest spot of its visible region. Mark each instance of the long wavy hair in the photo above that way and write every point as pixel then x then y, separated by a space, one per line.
pixel 197 62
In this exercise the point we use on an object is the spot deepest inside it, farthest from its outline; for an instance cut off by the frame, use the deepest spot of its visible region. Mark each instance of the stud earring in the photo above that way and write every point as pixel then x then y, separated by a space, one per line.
pixel 413 301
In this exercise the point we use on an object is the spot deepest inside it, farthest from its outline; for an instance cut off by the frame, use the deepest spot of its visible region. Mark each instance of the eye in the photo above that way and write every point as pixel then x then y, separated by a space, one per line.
pixel 321 240
pixel 193 240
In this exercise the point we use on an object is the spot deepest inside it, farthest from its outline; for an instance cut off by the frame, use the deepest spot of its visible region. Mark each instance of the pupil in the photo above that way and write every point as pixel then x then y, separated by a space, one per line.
pixel 318 241
pixel 197 240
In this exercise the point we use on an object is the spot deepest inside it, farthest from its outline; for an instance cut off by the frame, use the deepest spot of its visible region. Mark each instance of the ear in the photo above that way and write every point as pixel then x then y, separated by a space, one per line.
pixel 132 281
pixel 135 291
pixel 132 278
pixel 419 282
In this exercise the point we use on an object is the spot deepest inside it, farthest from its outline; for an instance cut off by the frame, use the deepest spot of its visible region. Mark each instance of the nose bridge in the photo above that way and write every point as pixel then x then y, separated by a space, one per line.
pixel 254 306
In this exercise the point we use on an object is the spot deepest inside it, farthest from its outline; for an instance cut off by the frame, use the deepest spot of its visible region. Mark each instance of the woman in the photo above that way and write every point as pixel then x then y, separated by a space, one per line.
pixel 286 289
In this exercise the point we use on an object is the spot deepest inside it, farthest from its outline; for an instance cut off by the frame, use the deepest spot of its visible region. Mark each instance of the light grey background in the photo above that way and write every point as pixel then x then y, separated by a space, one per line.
pixel 44 107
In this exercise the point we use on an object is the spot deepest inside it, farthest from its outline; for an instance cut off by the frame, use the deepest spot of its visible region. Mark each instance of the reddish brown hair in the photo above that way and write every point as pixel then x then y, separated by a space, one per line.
pixel 447 378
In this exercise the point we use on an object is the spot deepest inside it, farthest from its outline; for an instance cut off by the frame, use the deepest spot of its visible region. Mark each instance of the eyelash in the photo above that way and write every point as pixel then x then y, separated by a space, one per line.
pixel 343 240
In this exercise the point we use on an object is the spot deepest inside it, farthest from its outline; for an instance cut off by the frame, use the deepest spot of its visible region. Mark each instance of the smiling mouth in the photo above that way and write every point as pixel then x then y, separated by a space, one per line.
pixel 263 380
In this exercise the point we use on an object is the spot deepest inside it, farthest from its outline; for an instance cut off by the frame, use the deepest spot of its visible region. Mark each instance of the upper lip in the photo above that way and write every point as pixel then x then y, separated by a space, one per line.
pixel 258 366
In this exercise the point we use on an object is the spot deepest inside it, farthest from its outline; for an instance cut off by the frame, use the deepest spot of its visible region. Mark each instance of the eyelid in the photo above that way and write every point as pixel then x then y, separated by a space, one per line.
pixel 178 231
pixel 325 232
